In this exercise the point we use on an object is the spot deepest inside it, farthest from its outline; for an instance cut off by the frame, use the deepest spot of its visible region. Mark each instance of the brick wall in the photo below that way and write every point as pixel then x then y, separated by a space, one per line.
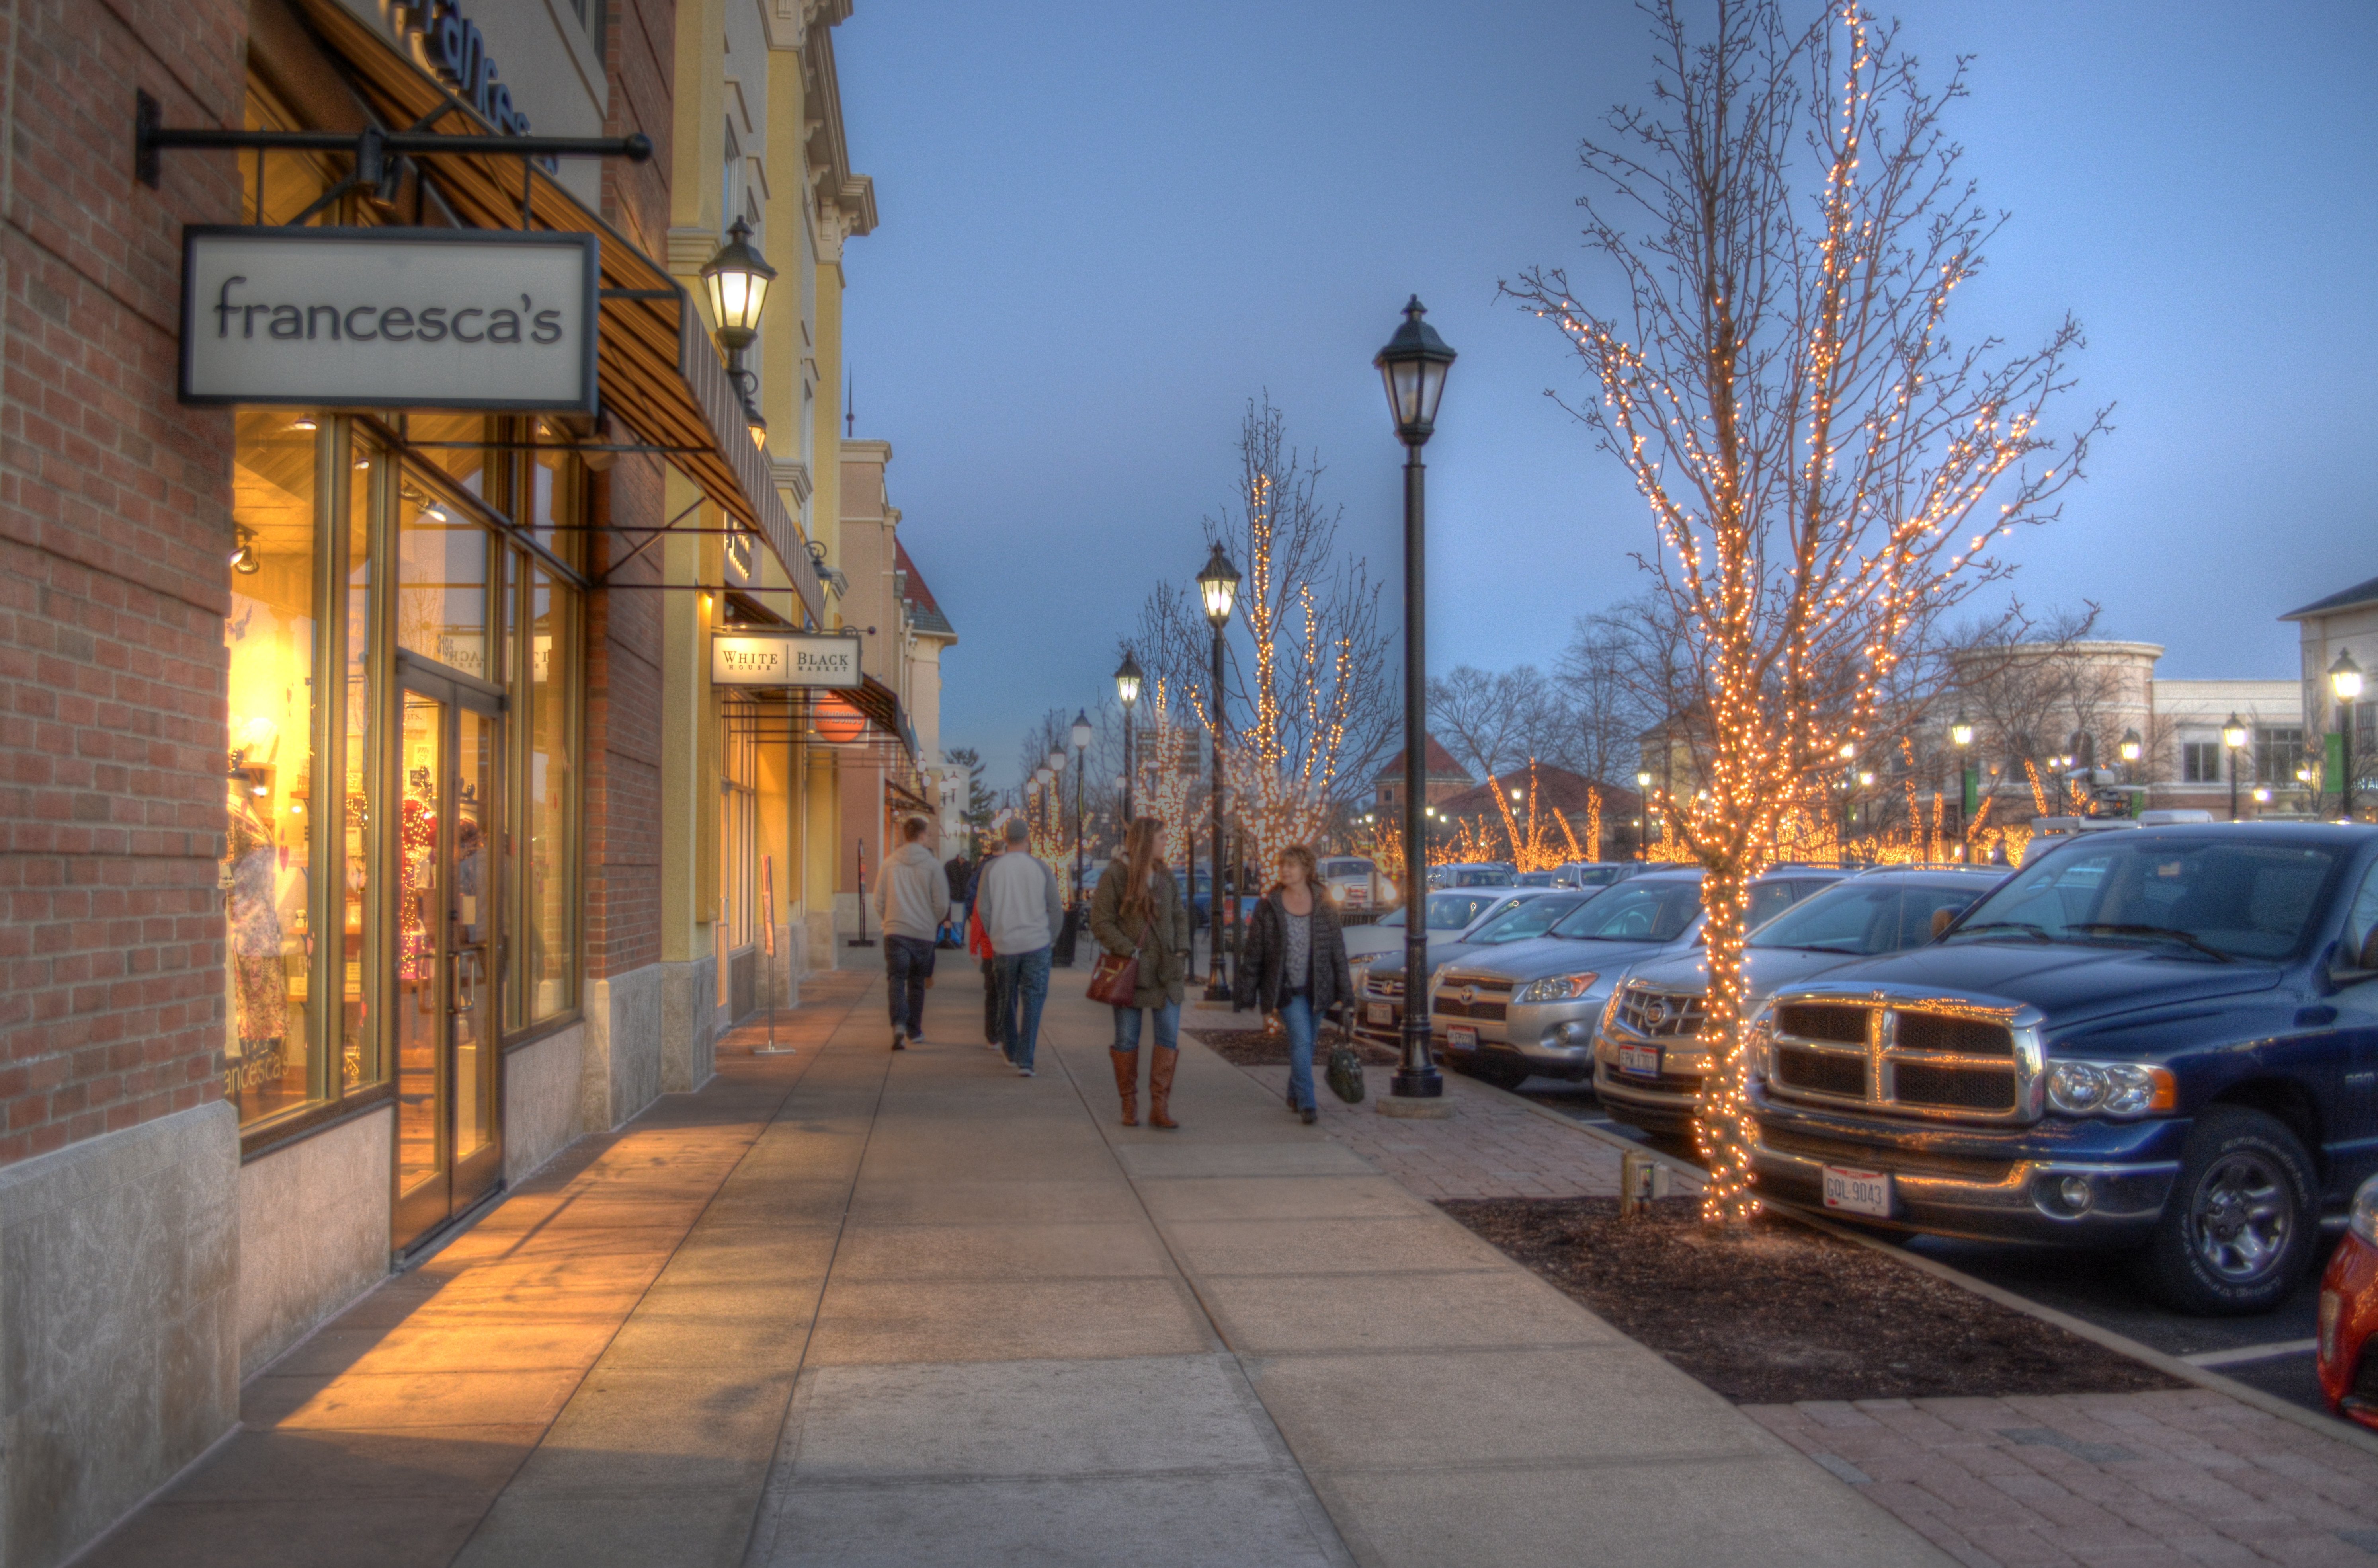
pixel 623 629
pixel 114 523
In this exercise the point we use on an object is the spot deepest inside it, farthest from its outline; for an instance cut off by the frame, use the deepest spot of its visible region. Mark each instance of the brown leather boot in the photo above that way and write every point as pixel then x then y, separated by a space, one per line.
pixel 1159 1087
pixel 1126 1066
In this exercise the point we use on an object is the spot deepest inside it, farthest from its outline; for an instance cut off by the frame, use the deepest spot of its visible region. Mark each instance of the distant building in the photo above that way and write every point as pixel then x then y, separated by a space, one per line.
pixel 1445 777
pixel 1574 795
pixel 2345 622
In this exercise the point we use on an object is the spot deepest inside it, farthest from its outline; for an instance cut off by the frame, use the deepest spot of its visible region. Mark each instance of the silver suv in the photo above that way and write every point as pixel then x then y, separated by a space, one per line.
pixel 1648 1059
pixel 1530 1007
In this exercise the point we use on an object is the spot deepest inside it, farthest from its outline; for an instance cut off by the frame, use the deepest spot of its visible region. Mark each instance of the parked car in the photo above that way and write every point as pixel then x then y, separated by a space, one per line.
pixel 1197 894
pixel 1535 879
pixel 1471 875
pixel 1379 978
pixel 1359 888
pixel 1530 1007
pixel 1595 873
pixel 2163 1039
pixel 1451 912
pixel 2349 1314
pixel 1648 1063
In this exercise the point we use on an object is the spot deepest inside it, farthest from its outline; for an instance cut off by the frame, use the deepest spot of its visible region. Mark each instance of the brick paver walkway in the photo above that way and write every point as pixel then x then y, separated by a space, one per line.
pixel 2131 1480
pixel 2134 1479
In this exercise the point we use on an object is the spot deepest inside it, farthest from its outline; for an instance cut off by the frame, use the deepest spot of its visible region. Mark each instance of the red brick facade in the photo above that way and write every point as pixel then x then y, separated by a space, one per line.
pixel 114 523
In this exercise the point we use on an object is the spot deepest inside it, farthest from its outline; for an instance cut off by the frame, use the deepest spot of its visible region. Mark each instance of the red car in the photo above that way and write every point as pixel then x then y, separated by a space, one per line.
pixel 2349 1315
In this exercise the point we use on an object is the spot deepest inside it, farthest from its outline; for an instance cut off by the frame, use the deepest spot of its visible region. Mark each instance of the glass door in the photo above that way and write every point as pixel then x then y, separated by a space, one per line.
pixel 449 1151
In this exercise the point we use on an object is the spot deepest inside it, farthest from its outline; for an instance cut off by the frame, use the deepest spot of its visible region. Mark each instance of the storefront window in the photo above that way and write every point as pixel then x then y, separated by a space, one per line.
pixel 740 824
pixel 456 444
pixel 441 582
pixel 552 498
pixel 360 1058
pixel 270 638
pixel 547 943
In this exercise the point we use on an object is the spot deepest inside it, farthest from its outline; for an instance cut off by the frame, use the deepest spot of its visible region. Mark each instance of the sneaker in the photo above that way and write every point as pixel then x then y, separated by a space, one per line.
pixel 916 1039
pixel 1025 1071
pixel 897 1043
pixel 1311 1114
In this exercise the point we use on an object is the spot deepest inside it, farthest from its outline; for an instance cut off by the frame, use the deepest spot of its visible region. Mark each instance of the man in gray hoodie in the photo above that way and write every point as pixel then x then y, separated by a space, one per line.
pixel 1017 900
pixel 912 900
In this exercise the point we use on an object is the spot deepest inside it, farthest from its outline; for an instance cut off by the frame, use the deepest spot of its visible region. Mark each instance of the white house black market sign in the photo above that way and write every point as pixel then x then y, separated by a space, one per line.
pixel 460 319
pixel 783 659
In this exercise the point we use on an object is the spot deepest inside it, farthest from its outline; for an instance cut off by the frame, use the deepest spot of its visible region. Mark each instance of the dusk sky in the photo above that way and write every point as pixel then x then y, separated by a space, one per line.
pixel 1104 228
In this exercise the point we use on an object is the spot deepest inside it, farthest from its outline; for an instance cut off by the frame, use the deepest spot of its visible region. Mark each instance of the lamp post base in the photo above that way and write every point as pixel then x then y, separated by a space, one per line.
pixel 1417 1083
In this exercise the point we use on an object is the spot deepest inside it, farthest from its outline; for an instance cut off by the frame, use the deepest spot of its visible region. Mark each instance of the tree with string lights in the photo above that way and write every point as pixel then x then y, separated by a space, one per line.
pixel 1825 466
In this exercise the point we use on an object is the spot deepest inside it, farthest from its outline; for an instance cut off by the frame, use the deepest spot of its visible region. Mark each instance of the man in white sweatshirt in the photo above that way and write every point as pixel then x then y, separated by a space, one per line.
pixel 912 900
pixel 1017 900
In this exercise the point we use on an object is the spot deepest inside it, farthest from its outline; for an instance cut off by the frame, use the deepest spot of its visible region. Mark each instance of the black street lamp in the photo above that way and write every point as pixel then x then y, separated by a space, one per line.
pixel 1412 366
pixel 1218 585
pixel 1642 806
pixel 735 285
pixel 1127 677
pixel 2345 682
pixel 1961 735
pixel 2233 736
pixel 1082 733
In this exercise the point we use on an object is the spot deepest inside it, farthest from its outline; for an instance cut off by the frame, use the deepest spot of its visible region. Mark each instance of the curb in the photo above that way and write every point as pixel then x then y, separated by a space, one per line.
pixel 2172 1366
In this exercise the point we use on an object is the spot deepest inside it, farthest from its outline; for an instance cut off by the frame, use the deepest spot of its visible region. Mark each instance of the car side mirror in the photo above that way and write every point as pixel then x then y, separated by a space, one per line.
pixel 2368 957
pixel 1941 920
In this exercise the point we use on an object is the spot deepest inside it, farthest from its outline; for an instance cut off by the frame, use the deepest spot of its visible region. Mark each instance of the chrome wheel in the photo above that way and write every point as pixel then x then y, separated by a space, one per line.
pixel 2242 1216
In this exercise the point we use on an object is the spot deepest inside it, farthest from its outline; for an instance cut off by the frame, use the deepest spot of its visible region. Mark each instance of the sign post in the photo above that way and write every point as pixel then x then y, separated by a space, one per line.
pixel 768 946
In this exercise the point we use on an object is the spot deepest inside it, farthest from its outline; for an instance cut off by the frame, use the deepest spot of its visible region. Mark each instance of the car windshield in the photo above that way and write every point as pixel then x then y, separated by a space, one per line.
pixel 1865 917
pixel 1527 917
pixel 1594 875
pixel 1636 911
pixel 1392 918
pixel 1345 867
pixel 1535 878
pixel 2218 897
pixel 1479 876
pixel 1453 911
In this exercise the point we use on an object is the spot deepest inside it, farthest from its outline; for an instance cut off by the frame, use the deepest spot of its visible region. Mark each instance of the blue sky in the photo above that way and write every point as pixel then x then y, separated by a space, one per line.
pixel 1105 227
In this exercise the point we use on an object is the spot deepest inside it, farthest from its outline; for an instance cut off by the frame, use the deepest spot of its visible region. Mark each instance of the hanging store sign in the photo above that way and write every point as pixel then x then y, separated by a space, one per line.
pixel 783 659
pixel 460 318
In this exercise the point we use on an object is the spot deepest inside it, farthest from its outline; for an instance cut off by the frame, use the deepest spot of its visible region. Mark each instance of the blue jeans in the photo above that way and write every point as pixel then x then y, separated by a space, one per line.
pixel 907 963
pixel 1296 1012
pixel 1023 986
pixel 1167 1027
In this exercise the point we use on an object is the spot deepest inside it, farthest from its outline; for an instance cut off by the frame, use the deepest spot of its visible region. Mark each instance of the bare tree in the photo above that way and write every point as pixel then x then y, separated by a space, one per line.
pixel 1495 721
pixel 1790 224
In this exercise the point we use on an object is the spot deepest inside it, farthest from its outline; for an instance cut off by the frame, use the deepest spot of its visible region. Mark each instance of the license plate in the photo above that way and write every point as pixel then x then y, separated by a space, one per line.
pixel 1641 1061
pixel 1378 1013
pixel 1460 1038
pixel 1859 1191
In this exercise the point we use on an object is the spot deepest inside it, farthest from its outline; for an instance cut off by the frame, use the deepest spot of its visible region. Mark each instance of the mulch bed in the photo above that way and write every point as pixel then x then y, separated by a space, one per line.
pixel 1782 1314
pixel 1255 1047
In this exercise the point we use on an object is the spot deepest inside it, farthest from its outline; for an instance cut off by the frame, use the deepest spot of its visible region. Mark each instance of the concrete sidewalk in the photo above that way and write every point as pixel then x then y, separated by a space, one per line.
pixel 854 1307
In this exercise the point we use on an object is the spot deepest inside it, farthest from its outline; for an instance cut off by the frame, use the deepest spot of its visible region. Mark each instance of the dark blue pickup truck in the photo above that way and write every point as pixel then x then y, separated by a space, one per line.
pixel 2162 1039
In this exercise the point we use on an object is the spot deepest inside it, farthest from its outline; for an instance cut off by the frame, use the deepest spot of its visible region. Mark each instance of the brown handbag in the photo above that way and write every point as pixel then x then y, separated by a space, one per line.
pixel 1115 981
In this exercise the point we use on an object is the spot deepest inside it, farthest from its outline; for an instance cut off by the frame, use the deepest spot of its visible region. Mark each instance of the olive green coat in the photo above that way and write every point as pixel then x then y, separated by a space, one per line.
pixel 1163 945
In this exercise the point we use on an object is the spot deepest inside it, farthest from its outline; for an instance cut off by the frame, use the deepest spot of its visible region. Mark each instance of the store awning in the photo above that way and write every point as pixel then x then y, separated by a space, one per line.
pixel 659 374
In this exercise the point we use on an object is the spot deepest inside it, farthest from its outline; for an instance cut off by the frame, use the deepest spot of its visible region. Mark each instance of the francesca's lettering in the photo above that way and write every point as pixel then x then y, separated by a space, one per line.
pixel 433 325
pixel 460 335
pixel 223 308
pixel 547 329
pixel 313 316
pixel 503 327
pixel 356 332
pixel 396 324
pixel 287 322
pixel 389 323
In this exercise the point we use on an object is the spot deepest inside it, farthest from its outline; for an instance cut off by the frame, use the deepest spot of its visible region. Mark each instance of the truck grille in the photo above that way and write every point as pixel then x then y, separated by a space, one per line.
pixel 1487 998
pixel 1660 1015
pixel 1924 1059
pixel 1390 987
pixel 1915 1162
pixel 1454 1007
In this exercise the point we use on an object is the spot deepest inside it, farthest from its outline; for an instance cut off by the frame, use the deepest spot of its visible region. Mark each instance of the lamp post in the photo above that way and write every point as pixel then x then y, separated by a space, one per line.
pixel 734 285
pixel 2233 737
pixel 1412 366
pixel 1081 738
pixel 1218 585
pixel 1961 735
pixel 1127 677
pixel 2345 682
pixel 1642 807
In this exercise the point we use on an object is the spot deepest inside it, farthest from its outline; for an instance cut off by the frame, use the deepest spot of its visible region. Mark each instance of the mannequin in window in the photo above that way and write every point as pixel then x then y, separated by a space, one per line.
pixel 259 977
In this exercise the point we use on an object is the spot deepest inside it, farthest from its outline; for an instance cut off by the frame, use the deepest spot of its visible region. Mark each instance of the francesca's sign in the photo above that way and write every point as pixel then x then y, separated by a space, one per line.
pixel 783 659
pixel 390 319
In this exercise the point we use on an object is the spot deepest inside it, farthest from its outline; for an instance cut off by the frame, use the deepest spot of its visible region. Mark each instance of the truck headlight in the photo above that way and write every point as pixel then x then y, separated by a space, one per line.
pixel 1558 988
pixel 2363 1221
pixel 2109 1088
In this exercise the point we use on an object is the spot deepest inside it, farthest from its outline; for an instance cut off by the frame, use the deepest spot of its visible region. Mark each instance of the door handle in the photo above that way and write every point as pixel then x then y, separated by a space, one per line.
pixel 467 966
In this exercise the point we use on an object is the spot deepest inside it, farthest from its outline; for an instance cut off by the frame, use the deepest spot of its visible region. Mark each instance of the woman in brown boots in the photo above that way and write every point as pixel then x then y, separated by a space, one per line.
pixel 1137 912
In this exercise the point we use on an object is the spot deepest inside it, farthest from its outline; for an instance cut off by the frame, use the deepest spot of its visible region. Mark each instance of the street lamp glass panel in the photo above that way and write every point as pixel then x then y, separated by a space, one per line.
pixel 1961 731
pixel 2130 746
pixel 2233 733
pixel 1412 368
pixel 2345 679
pixel 1218 585
pixel 734 285
pixel 1642 781
pixel 1127 677
pixel 1081 731
pixel 1057 761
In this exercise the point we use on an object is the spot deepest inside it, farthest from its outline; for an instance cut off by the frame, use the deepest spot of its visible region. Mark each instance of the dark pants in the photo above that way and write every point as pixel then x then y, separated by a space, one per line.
pixel 993 1031
pixel 908 962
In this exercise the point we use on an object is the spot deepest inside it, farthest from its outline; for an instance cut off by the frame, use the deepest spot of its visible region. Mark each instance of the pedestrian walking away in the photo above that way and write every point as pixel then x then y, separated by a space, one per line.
pixel 994 1001
pixel 959 873
pixel 1017 900
pixel 1294 965
pixel 912 899
pixel 1137 912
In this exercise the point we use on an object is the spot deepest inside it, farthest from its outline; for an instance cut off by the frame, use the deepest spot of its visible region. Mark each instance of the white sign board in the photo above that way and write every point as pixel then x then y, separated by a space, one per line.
pixel 464 318
pixel 783 659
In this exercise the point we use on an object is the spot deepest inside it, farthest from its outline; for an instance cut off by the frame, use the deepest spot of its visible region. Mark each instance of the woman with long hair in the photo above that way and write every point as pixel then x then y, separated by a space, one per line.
pixel 1138 911
pixel 1294 965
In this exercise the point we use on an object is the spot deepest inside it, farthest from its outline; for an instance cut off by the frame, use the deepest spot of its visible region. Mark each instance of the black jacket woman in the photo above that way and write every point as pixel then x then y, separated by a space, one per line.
pixel 1294 965
pixel 1138 911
